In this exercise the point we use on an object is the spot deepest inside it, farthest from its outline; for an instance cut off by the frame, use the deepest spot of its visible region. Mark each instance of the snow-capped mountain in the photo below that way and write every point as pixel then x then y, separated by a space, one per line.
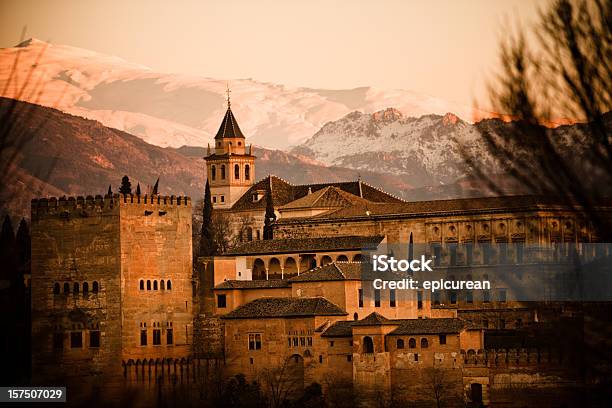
pixel 425 149
pixel 175 110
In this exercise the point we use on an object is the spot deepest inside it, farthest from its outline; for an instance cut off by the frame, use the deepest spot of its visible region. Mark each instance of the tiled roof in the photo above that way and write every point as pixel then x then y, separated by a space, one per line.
pixel 254 284
pixel 283 193
pixel 342 328
pixel 428 326
pixel 374 319
pixel 286 307
pixel 336 271
pixel 278 246
pixel 229 127
pixel 420 208
pixel 328 197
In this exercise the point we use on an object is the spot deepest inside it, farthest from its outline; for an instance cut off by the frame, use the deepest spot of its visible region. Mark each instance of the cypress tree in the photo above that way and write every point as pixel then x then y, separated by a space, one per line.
pixel 23 242
pixel 207 246
pixel 270 217
pixel 110 191
pixel 156 187
pixel 126 186
pixel 138 189
pixel 8 258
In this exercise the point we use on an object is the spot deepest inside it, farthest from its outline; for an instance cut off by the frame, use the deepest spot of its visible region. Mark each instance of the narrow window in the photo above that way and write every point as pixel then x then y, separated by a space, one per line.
pixel 237 172
pixel 162 284
pixel 223 172
pixel 155 285
pixel 85 288
pixel 486 253
pixel 76 339
pixel 169 285
pixel 442 339
pixel 214 199
pixel 501 295
pixel 424 343
pixel 94 338
pixel 143 337
pixel 486 296
pixel 392 297
pixel 221 301
pixel 148 285
pixel 469 296
pixel 419 300
pixel 247 172
pixel 400 343
pixel 349 357
pixel 58 341
pixel 289 341
pixel 156 337
pixel 453 254
pixel 213 171
pixel 436 298
pixel 95 287
pixel 416 356
pixel 437 249
pixel 368 345
pixel 320 359
pixel 503 252
pixel 56 288
pixel 169 336
pixel 309 341
pixel 469 253
pixel 75 288
pixel 376 297
pixel 412 343
pixel 222 198
pixel 360 297
pixel 302 341
pixel 453 298
pixel 66 288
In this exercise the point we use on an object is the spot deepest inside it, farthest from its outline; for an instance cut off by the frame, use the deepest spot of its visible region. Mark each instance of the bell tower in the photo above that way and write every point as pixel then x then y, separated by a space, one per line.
pixel 230 165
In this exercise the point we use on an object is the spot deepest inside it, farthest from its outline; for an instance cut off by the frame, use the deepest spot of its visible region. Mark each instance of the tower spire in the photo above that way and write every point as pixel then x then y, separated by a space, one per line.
pixel 227 91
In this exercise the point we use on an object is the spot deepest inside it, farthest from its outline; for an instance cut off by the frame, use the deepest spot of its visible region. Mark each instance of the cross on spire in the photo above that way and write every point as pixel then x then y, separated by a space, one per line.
pixel 228 96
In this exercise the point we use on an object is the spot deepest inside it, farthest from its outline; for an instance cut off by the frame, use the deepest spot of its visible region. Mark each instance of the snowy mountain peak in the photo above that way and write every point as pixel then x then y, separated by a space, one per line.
pixel 387 115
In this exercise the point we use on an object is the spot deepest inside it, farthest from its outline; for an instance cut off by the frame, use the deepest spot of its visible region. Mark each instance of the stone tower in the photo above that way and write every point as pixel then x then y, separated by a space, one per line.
pixel 231 167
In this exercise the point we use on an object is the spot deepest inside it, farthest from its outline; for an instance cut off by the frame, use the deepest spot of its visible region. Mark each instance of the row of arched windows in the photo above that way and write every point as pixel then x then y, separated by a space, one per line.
pixel 155 285
pixel 247 172
pixel 76 288
pixel 412 343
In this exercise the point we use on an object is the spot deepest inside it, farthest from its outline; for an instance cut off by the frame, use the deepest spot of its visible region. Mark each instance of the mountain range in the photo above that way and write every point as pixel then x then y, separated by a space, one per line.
pixel 170 110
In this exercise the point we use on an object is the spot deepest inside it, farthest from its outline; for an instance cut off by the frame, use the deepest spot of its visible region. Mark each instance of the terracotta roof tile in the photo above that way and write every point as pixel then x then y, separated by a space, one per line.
pixel 254 284
pixel 345 271
pixel 343 328
pixel 428 326
pixel 286 307
pixel 281 246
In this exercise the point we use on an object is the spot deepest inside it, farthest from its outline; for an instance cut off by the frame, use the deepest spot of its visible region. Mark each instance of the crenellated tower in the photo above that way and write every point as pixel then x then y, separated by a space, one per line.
pixel 231 167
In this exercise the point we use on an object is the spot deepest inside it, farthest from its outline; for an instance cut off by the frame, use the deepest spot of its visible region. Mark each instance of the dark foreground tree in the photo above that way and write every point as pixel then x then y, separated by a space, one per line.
pixel 566 73
pixel 207 246
pixel 270 216
pixel 126 186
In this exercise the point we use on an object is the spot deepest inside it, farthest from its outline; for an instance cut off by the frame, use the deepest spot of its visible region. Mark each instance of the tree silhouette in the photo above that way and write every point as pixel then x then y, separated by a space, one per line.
pixel 126 186
pixel 568 75
pixel 207 246
pixel 138 189
pixel 270 216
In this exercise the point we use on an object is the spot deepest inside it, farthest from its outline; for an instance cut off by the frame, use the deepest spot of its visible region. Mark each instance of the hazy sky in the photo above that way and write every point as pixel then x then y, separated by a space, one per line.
pixel 442 48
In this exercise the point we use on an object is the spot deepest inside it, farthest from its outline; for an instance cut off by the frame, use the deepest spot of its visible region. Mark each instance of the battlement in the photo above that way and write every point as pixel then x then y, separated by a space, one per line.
pixel 103 204
pixel 512 357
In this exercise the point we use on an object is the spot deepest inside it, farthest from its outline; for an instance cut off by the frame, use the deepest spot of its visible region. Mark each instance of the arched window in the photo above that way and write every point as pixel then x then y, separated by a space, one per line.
pixel 213 172
pixel 66 288
pixel 169 285
pixel 368 345
pixel 141 284
pixel 247 172
pixel 95 287
pixel 355 316
pixel 56 288
pixel 412 343
pixel 237 172
pixel 223 172
pixel 75 288
pixel 148 285
pixel 249 234
pixel 400 343
pixel 424 343
pixel 162 284
pixel 85 288
pixel 155 285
